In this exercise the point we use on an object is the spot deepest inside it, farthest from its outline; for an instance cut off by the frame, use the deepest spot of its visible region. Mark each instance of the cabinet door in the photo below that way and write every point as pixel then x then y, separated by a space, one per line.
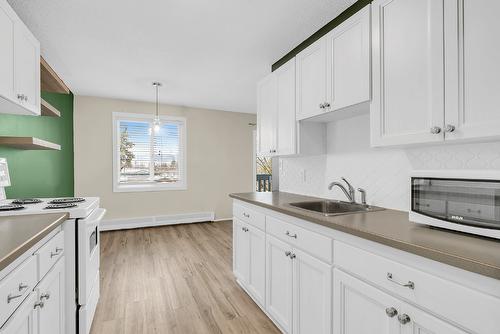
pixel 279 282
pixel 286 136
pixel 27 67
pixel 23 321
pixel 473 71
pixel 360 308
pixel 6 52
pixel 50 292
pixel 266 115
pixel 408 81
pixel 348 61
pixel 311 80
pixel 312 296
pixel 241 246
pixel 423 323
pixel 256 282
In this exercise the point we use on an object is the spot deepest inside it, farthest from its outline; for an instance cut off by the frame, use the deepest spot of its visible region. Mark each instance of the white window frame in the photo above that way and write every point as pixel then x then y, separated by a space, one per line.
pixel 153 186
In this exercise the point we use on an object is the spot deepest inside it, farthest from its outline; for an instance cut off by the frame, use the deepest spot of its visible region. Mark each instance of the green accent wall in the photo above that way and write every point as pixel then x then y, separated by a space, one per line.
pixel 44 173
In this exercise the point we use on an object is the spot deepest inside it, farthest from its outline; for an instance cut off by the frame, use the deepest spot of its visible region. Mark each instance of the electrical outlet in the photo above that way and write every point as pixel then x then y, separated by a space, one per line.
pixel 303 175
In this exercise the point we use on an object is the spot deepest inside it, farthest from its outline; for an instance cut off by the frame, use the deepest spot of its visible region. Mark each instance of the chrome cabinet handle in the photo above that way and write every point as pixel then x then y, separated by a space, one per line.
pixel 288 253
pixel 22 286
pixel 291 235
pixel 246 215
pixel 244 229
pixel 326 105
pixel 12 297
pixel 449 128
pixel 57 252
pixel 404 319
pixel 293 256
pixel 273 151
pixel 435 130
pixel 45 296
pixel 391 312
pixel 39 304
pixel 410 284
pixel 322 106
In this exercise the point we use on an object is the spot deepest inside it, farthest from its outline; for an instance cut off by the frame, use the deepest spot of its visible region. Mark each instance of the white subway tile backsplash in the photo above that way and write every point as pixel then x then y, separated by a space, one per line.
pixel 382 172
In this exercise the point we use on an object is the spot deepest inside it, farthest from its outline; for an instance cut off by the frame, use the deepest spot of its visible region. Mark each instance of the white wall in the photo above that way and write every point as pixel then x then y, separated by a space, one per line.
pixel 219 160
pixel 383 172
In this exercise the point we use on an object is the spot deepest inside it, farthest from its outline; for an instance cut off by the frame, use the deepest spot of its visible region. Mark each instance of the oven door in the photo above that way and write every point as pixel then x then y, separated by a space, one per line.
pixel 88 253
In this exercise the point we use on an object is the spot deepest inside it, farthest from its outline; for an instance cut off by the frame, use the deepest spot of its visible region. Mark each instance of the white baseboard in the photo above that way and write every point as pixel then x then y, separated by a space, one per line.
pixel 183 218
pixel 222 219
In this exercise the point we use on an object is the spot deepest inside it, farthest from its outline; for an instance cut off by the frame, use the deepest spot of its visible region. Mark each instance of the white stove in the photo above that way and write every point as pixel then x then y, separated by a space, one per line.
pixel 82 251
pixel 76 209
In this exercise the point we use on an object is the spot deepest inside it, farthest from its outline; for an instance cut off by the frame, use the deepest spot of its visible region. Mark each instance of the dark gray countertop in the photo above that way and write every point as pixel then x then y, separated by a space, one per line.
pixel 19 233
pixel 392 228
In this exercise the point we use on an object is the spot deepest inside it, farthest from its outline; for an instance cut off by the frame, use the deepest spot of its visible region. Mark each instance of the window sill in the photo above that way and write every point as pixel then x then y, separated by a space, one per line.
pixel 125 188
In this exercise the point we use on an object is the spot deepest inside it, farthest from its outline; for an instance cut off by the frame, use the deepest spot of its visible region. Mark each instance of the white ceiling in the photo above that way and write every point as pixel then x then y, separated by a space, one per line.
pixel 207 53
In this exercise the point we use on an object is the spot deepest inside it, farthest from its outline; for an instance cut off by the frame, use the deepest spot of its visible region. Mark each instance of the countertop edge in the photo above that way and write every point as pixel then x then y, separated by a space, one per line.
pixel 435 255
pixel 31 241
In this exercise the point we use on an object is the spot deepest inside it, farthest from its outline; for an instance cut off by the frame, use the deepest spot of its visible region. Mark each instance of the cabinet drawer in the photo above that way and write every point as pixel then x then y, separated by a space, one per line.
pixel 49 253
pixel 15 287
pixel 447 299
pixel 249 216
pixel 311 242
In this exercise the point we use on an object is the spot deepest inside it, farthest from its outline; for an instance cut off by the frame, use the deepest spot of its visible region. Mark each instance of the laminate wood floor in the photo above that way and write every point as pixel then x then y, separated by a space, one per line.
pixel 173 279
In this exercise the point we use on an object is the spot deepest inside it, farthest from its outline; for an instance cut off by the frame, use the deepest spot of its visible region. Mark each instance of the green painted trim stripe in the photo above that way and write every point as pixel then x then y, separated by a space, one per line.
pixel 357 6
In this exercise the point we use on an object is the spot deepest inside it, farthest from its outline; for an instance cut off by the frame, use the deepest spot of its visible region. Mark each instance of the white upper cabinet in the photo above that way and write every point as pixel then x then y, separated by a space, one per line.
pixel 348 61
pixel 472 90
pixel 7 23
pixel 267 115
pixel 311 80
pixel 408 82
pixel 287 128
pixel 435 71
pixel 19 65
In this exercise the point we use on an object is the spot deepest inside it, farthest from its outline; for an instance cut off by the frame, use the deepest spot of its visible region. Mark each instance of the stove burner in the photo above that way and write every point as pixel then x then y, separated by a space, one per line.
pixel 11 207
pixel 26 201
pixel 60 206
pixel 67 200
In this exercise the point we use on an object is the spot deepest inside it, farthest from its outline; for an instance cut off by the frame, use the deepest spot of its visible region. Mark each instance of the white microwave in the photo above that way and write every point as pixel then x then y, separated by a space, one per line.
pixel 465 201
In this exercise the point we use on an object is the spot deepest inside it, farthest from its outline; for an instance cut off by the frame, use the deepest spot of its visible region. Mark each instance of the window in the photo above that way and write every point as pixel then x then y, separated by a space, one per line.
pixel 145 159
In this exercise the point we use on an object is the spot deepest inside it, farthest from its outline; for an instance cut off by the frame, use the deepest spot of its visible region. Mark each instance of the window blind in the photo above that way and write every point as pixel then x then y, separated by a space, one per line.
pixel 148 156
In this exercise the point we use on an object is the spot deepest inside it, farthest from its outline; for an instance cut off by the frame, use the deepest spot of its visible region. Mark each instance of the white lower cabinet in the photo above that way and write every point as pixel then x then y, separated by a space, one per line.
pixel 50 293
pixel 249 264
pixel 312 294
pixel 279 283
pixel 24 320
pixel 360 308
pixel 298 289
pixel 366 288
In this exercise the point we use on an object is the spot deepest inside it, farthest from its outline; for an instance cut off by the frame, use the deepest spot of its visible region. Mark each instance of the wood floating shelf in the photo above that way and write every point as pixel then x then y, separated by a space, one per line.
pixel 28 143
pixel 49 110
pixel 50 80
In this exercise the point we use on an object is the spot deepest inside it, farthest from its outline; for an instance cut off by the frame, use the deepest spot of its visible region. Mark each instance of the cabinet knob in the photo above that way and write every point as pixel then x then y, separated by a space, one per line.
pixel 449 128
pixel 326 105
pixel 293 256
pixel 287 253
pixel 39 304
pixel 404 319
pixel 391 312
pixel 20 96
pixel 435 130
pixel 322 106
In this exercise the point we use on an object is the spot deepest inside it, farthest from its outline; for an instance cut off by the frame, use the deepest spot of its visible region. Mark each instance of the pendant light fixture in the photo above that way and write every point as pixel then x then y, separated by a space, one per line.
pixel 157 123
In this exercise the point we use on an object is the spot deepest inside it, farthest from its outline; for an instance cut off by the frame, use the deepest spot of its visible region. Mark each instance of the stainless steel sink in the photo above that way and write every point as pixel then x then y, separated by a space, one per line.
pixel 334 208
